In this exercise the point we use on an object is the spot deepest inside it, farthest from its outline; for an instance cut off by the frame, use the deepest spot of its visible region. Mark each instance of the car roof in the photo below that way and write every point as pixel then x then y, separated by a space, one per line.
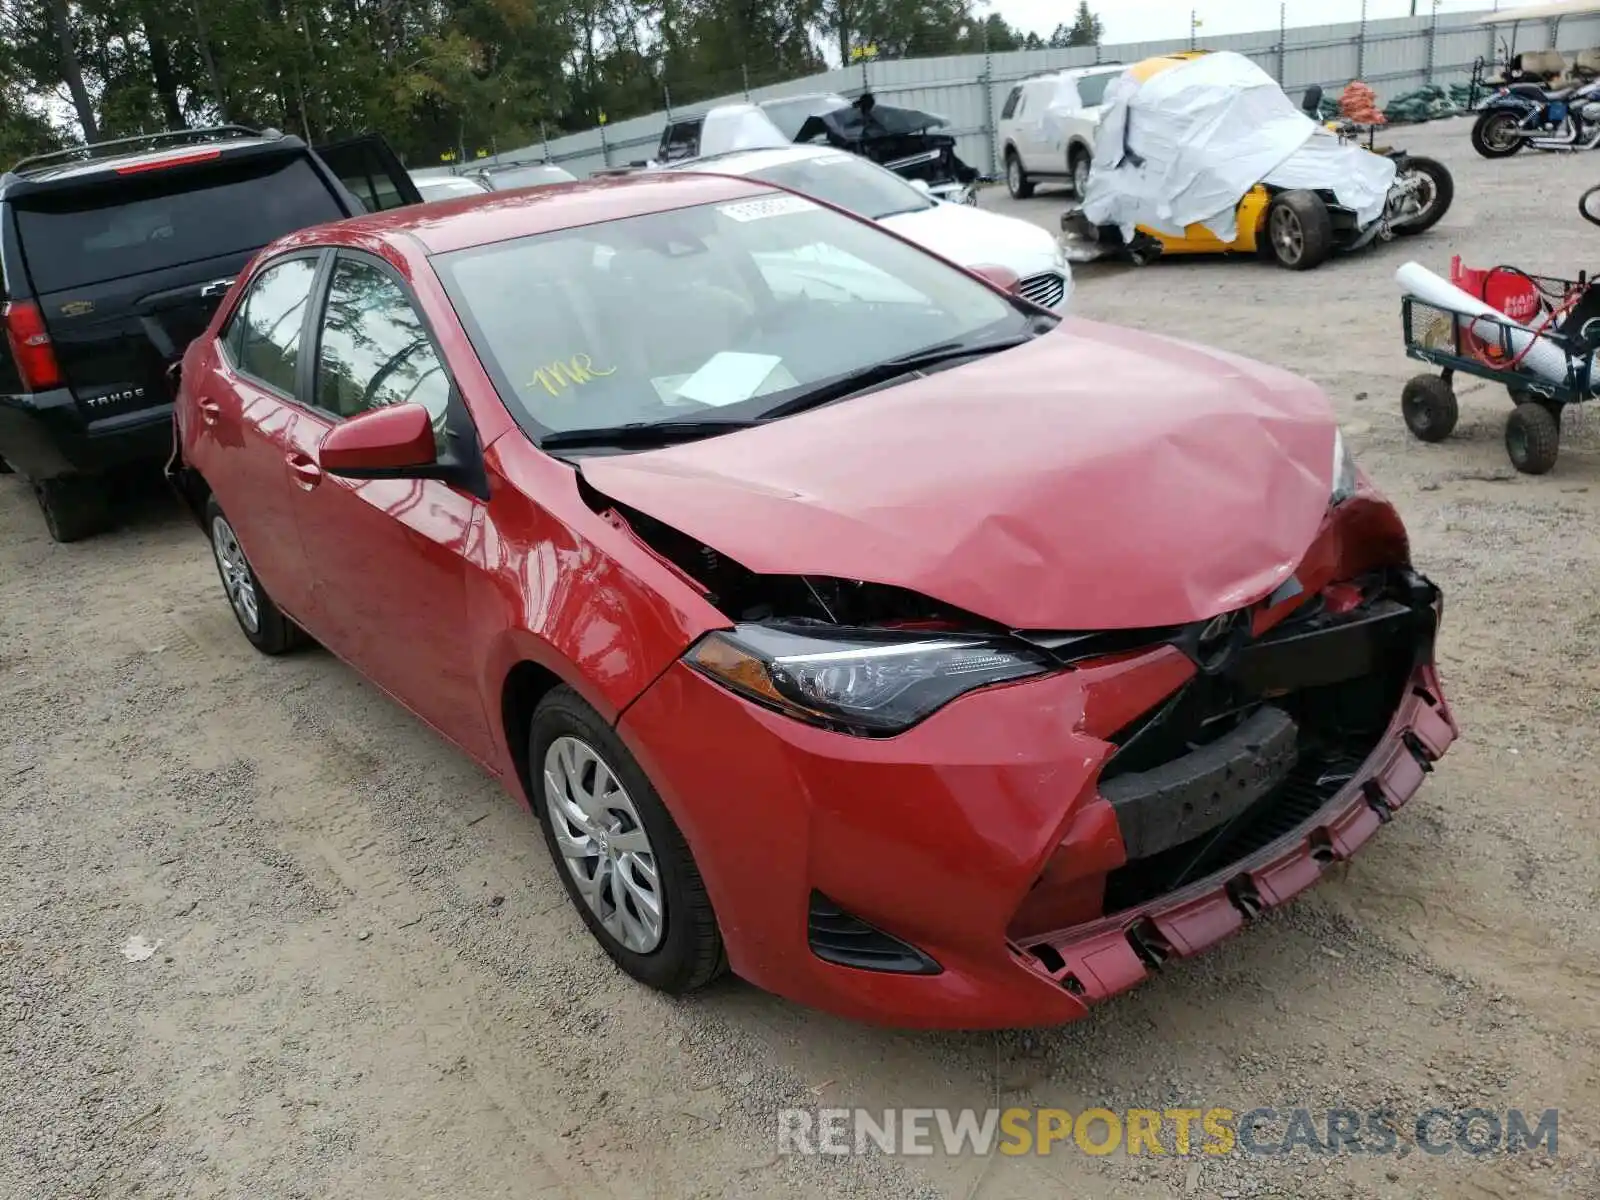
pixel 1074 73
pixel 447 225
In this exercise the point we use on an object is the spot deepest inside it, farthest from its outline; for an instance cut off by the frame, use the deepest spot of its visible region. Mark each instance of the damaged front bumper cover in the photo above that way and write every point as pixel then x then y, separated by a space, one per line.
pixel 1083 241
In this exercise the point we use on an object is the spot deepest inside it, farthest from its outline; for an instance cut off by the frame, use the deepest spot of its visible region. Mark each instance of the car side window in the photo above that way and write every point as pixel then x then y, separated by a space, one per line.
pixel 1092 88
pixel 265 335
pixel 374 350
pixel 1010 108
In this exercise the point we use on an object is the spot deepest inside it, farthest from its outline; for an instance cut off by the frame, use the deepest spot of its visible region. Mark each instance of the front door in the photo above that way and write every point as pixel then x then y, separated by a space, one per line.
pixel 388 557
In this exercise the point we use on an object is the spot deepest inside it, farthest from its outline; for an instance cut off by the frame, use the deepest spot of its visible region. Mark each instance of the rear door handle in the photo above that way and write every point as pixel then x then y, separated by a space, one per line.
pixel 306 472
pixel 210 410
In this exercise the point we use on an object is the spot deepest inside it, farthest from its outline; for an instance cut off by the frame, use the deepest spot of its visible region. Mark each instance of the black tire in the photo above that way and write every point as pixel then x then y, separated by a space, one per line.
pixel 74 506
pixel 1299 230
pixel 1533 438
pixel 271 632
pixel 1429 407
pixel 1017 181
pixel 1444 191
pixel 5 467
pixel 1078 163
pixel 689 954
pixel 1488 138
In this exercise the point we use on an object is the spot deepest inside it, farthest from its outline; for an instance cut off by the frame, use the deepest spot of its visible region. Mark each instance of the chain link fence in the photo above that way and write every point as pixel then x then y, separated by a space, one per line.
pixel 1393 56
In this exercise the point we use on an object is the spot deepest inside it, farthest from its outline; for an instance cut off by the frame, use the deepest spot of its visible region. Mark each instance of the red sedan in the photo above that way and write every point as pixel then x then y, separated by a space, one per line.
pixel 848 621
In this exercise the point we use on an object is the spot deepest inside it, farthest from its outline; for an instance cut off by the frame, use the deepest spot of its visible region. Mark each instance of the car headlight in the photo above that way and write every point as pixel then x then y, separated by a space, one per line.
pixel 1344 472
pixel 862 680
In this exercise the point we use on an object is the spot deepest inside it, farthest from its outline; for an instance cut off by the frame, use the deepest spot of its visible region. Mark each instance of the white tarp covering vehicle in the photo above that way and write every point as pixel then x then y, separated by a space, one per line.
pixel 1183 148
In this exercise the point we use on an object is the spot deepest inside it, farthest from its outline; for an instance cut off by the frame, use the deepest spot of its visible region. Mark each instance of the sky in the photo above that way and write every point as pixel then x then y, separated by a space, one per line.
pixel 1154 20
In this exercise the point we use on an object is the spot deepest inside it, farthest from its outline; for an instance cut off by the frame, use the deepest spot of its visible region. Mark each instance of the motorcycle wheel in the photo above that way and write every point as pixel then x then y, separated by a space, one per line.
pixel 1492 135
pixel 1589 206
pixel 1444 191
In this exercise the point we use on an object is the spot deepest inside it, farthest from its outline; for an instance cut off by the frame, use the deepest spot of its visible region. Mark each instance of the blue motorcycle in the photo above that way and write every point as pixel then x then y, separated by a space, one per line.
pixel 1528 114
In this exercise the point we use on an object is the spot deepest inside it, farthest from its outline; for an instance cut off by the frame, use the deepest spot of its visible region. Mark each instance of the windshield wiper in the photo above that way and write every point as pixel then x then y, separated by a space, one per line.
pixel 855 381
pixel 640 433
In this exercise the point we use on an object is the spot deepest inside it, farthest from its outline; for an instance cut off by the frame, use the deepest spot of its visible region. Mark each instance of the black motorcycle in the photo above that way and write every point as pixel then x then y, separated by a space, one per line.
pixel 1529 114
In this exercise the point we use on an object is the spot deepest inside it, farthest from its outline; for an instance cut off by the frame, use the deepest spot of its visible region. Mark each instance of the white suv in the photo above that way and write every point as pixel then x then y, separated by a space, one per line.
pixel 1048 124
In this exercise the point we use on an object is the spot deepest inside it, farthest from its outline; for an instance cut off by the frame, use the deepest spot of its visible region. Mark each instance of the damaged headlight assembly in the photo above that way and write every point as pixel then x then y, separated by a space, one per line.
pixel 868 681
pixel 1344 472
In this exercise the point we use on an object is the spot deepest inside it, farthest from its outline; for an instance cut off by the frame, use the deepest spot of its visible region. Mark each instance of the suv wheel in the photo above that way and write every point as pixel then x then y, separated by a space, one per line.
pixel 1017 181
pixel 1079 167
pixel 74 506
pixel 266 628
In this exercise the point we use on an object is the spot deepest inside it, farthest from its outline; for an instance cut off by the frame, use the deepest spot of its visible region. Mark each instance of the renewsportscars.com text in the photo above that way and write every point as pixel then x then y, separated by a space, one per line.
pixel 1175 1131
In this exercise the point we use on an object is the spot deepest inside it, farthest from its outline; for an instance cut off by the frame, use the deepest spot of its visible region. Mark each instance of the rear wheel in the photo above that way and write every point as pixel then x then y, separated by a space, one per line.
pixel 620 855
pixel 1533 438
pixel 1437 189
pixel 1299 230
pixel 1017 181
pixel 1494 135
pixel 1429 407
pixel 74 506
pixel 266 628
pixel 1078 167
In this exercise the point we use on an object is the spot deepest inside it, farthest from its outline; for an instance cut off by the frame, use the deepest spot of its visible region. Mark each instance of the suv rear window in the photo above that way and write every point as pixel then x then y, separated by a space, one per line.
pixel 151 221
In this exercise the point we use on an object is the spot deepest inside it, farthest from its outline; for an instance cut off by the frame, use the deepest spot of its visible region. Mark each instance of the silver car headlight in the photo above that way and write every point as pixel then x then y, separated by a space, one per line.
pixel 1344 472
pixel 867 681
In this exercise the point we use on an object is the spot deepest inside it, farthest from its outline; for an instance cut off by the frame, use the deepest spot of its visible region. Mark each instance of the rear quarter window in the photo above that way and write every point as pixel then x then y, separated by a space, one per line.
pixel 1010 108
pixel 1092 88
pixel 152 221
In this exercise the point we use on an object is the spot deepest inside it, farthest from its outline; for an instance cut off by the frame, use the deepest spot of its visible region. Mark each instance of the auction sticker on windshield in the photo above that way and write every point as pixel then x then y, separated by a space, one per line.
pixel 757 210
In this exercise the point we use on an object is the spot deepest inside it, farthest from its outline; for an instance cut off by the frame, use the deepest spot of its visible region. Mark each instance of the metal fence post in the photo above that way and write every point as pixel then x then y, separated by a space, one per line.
pixel 744 74
pixel 545 138
pixel 1361 43
pixel 1282 16
pixel 1433 28
pixel 987 80
pixel 605 146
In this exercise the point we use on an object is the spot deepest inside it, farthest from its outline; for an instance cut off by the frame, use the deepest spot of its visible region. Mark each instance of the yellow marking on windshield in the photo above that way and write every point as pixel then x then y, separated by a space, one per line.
pixel 557 376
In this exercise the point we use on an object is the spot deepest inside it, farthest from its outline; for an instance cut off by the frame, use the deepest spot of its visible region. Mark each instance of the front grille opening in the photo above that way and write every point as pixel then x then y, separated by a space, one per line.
pixel 1044 289
pixel 1338 726
pixel 845 940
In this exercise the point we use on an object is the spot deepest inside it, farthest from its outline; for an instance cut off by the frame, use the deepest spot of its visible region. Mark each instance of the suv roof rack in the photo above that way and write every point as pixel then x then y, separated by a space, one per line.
pixel 115 147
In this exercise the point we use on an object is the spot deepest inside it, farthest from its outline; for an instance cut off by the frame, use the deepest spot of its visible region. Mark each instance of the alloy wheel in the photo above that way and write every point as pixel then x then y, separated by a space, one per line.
pixel 1499 132
pixel 237 578
pixel 1014 175
pixel 1288 235
pixel 1080 175
pixel 604 844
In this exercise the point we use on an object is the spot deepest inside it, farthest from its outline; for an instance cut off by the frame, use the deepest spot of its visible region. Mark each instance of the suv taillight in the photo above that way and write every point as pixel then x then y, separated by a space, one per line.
pixel 30 346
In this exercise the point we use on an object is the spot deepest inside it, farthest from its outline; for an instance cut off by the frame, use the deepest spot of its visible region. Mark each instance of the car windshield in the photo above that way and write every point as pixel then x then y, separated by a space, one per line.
pixel 444 188
pixel 849 181
pixel 722 312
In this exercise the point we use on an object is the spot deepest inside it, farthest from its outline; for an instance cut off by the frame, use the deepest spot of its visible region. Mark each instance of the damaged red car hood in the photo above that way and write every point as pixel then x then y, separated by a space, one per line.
pixel 1095 478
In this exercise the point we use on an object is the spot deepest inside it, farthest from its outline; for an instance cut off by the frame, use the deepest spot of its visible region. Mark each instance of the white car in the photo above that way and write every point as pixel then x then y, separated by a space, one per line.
pixel 962 233
pixel 445 186
pixel 1047 127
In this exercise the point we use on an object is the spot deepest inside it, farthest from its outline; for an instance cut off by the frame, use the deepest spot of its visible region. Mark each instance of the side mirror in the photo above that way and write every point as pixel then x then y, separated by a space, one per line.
pixel 383 443
pixel 921 185
pixel 1003 278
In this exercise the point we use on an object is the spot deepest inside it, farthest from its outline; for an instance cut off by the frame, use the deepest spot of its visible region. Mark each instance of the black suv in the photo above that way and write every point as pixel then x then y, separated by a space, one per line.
pixel 113 257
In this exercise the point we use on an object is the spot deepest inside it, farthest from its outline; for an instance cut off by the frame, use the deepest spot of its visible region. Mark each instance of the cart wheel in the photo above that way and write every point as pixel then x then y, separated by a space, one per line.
pixel 1429 408
pixel 1533 438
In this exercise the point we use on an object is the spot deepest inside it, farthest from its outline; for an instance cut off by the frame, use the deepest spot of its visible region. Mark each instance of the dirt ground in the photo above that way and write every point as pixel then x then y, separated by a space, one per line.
pixel 368 981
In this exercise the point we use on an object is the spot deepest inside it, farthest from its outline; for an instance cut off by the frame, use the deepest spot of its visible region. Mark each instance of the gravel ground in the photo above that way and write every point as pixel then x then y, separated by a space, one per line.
pixel 367 981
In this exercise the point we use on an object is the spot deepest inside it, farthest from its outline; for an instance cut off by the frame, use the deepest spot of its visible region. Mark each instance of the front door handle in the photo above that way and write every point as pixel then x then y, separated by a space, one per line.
pixel 210 410
pixel 306 472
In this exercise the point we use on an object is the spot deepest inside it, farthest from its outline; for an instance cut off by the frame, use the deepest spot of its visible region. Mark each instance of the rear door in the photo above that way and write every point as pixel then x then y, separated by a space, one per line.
pixel 369 167
pixel 128 269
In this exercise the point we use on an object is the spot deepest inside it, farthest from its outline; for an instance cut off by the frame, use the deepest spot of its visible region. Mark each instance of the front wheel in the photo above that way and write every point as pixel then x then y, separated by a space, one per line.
pixel 1495 134
pixel 1428 405
pixel 1299 230
pixel 1079 170
pixel 621 857
pixel 1533 438
pixel 1436 189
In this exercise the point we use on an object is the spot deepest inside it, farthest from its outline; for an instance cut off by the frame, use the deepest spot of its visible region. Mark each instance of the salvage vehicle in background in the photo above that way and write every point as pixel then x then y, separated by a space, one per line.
pixel 113 257
pixel 1202 153
pixel 903 140
pixel 1047 127
pixel 966 235
pixel 447 185
pixel 867 641
pixel 509 176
